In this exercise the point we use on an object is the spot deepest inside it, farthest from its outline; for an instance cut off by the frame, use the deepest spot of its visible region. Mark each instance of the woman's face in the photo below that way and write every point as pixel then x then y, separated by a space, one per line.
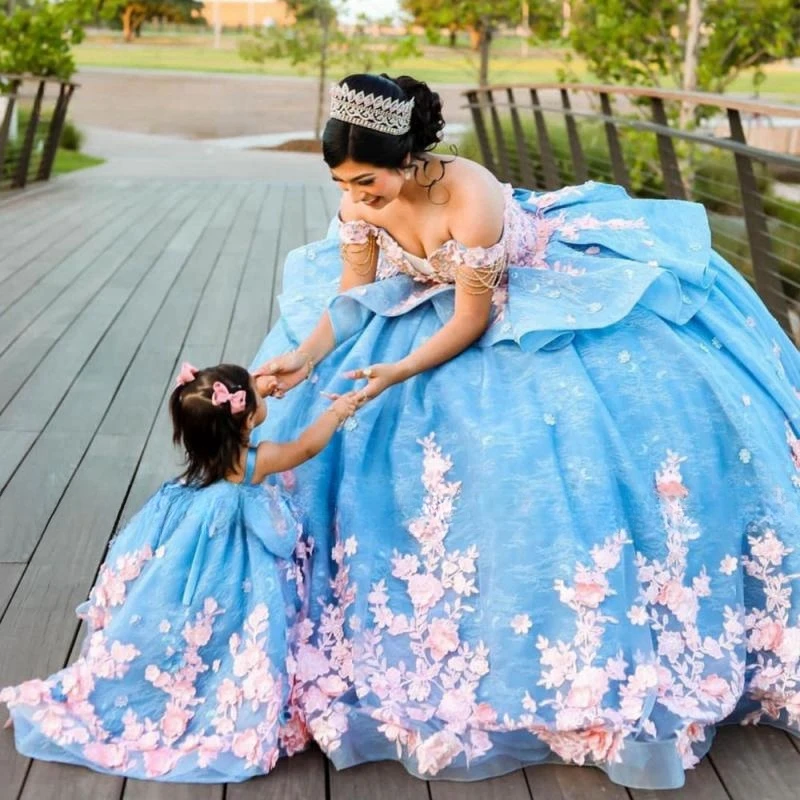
pixel 373 186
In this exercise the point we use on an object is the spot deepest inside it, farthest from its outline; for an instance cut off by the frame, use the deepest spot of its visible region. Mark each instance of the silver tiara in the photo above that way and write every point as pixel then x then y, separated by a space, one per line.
pixel 371 110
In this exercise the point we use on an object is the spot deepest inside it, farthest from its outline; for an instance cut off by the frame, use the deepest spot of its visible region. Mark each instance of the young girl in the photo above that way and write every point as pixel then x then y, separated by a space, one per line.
pixel 185 672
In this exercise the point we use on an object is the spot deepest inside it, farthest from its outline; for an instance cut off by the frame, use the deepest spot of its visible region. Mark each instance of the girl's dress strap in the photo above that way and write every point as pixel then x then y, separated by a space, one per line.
pixel 250 467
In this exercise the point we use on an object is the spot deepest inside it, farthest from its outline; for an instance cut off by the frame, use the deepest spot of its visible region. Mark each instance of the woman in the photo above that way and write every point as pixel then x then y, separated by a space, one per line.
pixel 566 524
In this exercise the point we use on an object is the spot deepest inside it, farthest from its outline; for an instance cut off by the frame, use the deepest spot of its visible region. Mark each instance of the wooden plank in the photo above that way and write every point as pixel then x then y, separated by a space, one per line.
pixel 204 253
pixel 82 314
pixel 28 500
pixel 383 780
pixel 149 790
pixel 251 317
pixel 292 235
pixel 212 321
pixel 33 492
pixel 20 208
pixel 36 263
pixel 73 218
pixel 34 633
pixel 140 390
pixel 9 578
pixel 65 782
pixel 702 783
pixel 332 196
pixel 508 787
pixel 316 214
pixel 756 763
pixel 13 447
pixel 557 782
pixel 301 777
pixel 49 305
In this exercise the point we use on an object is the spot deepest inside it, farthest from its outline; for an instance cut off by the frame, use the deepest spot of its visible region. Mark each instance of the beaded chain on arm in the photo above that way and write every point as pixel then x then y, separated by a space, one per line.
pixel 360 257
pixel 477 280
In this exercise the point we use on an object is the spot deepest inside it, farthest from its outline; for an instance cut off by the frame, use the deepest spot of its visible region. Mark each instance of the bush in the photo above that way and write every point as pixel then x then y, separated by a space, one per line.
pixel 71 137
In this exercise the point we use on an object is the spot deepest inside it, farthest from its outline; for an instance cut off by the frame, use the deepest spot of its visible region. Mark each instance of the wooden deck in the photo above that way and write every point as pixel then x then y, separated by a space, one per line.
pixel 105 286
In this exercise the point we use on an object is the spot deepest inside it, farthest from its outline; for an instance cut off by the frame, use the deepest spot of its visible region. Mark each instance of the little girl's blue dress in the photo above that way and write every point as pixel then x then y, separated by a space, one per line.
pixel 186 671
pixel 579 539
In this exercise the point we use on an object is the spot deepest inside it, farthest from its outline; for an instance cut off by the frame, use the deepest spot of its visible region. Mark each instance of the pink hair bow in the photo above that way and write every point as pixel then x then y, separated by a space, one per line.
pixel 222 394
pixel 187 374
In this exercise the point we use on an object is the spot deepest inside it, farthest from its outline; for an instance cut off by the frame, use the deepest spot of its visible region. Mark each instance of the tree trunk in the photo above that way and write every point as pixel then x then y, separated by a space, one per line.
pixel 127 26
pixel 566 15
pixel 694 22
pixel 485 47
pixel 475 39
pixel 453 37
pixel 323 77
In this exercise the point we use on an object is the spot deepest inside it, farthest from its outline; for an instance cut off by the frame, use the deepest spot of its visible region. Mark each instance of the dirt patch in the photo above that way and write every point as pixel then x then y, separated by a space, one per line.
pixel 296 146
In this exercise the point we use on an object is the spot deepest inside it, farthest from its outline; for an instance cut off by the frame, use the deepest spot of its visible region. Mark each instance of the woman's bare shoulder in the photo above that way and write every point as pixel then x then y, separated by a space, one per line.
pixel 478 203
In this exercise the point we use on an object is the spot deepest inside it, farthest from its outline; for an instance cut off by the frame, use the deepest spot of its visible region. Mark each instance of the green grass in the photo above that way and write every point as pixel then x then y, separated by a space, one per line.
pixel 194 52
pixel 70 161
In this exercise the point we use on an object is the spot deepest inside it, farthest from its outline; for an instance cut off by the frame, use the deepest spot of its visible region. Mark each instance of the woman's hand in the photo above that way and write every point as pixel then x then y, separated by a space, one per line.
pixel 291 369
pixel 378 376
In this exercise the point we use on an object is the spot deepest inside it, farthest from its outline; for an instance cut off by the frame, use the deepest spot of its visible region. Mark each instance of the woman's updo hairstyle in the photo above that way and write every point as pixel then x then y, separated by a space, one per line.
pixel 342 140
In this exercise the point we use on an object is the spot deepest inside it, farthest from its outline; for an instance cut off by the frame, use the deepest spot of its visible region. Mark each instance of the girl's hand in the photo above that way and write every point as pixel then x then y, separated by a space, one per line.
pixel 290 369
pixel 346 405
pixel 378 376
pixel 266 385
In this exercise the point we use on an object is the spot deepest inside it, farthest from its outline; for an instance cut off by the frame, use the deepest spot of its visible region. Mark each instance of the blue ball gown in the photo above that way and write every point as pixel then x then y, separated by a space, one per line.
pixel 186 670
pixel 579 540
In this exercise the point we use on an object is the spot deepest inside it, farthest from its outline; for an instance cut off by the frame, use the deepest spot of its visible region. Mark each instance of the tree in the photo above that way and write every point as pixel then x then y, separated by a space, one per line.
pixel 317 41
pixel 132 14
pixel 702 44
pixel 38 39
pixel 482 19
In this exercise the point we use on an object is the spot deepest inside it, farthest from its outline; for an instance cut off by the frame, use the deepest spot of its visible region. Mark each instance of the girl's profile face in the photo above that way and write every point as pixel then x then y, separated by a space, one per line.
pixel 373 186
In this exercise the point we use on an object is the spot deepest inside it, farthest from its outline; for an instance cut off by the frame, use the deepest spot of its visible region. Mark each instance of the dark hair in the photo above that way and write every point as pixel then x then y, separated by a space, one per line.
pixel 211 435
pixel 343 140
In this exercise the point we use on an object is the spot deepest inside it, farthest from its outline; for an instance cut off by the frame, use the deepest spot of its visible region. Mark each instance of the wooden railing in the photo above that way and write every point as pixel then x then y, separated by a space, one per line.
pixel 544 136
pixel 27 153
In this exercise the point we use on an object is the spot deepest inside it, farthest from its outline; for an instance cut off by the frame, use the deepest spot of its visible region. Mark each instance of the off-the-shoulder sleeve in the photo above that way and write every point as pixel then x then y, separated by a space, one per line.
pixel 475 269
pixel 356 231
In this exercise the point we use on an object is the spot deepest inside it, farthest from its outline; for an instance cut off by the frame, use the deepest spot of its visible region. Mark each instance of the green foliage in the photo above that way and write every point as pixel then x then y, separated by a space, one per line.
pixel 317 39
pixel 132 14
pixel 317 43
pixel 483 18
pixel 641 42
pixel 38 39
pixel 71 137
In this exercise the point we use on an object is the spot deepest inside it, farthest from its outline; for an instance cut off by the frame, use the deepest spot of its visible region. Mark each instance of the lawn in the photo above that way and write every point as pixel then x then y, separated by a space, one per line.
pixel 194 52
pixel 70 161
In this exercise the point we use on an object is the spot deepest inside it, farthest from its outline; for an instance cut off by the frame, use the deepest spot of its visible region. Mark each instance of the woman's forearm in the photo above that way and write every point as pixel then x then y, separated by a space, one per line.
pixel 320 341
pixel 453 338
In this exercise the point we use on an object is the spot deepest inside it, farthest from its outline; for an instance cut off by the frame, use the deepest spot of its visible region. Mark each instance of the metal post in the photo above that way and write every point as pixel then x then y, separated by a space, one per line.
pixel 614 149
pixel 54 134
pixel 673 183
pixel 525 166
pixel 21 177
pixel 767 278
pixel 575 147
pixel 549 166
pixel 5 125
pixel 504 173
pixel 480 130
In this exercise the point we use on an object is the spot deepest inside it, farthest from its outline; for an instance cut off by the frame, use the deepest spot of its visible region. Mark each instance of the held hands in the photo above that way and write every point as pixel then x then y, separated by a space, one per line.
pixel 288 371
pixel 345 405
pixel 378 376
